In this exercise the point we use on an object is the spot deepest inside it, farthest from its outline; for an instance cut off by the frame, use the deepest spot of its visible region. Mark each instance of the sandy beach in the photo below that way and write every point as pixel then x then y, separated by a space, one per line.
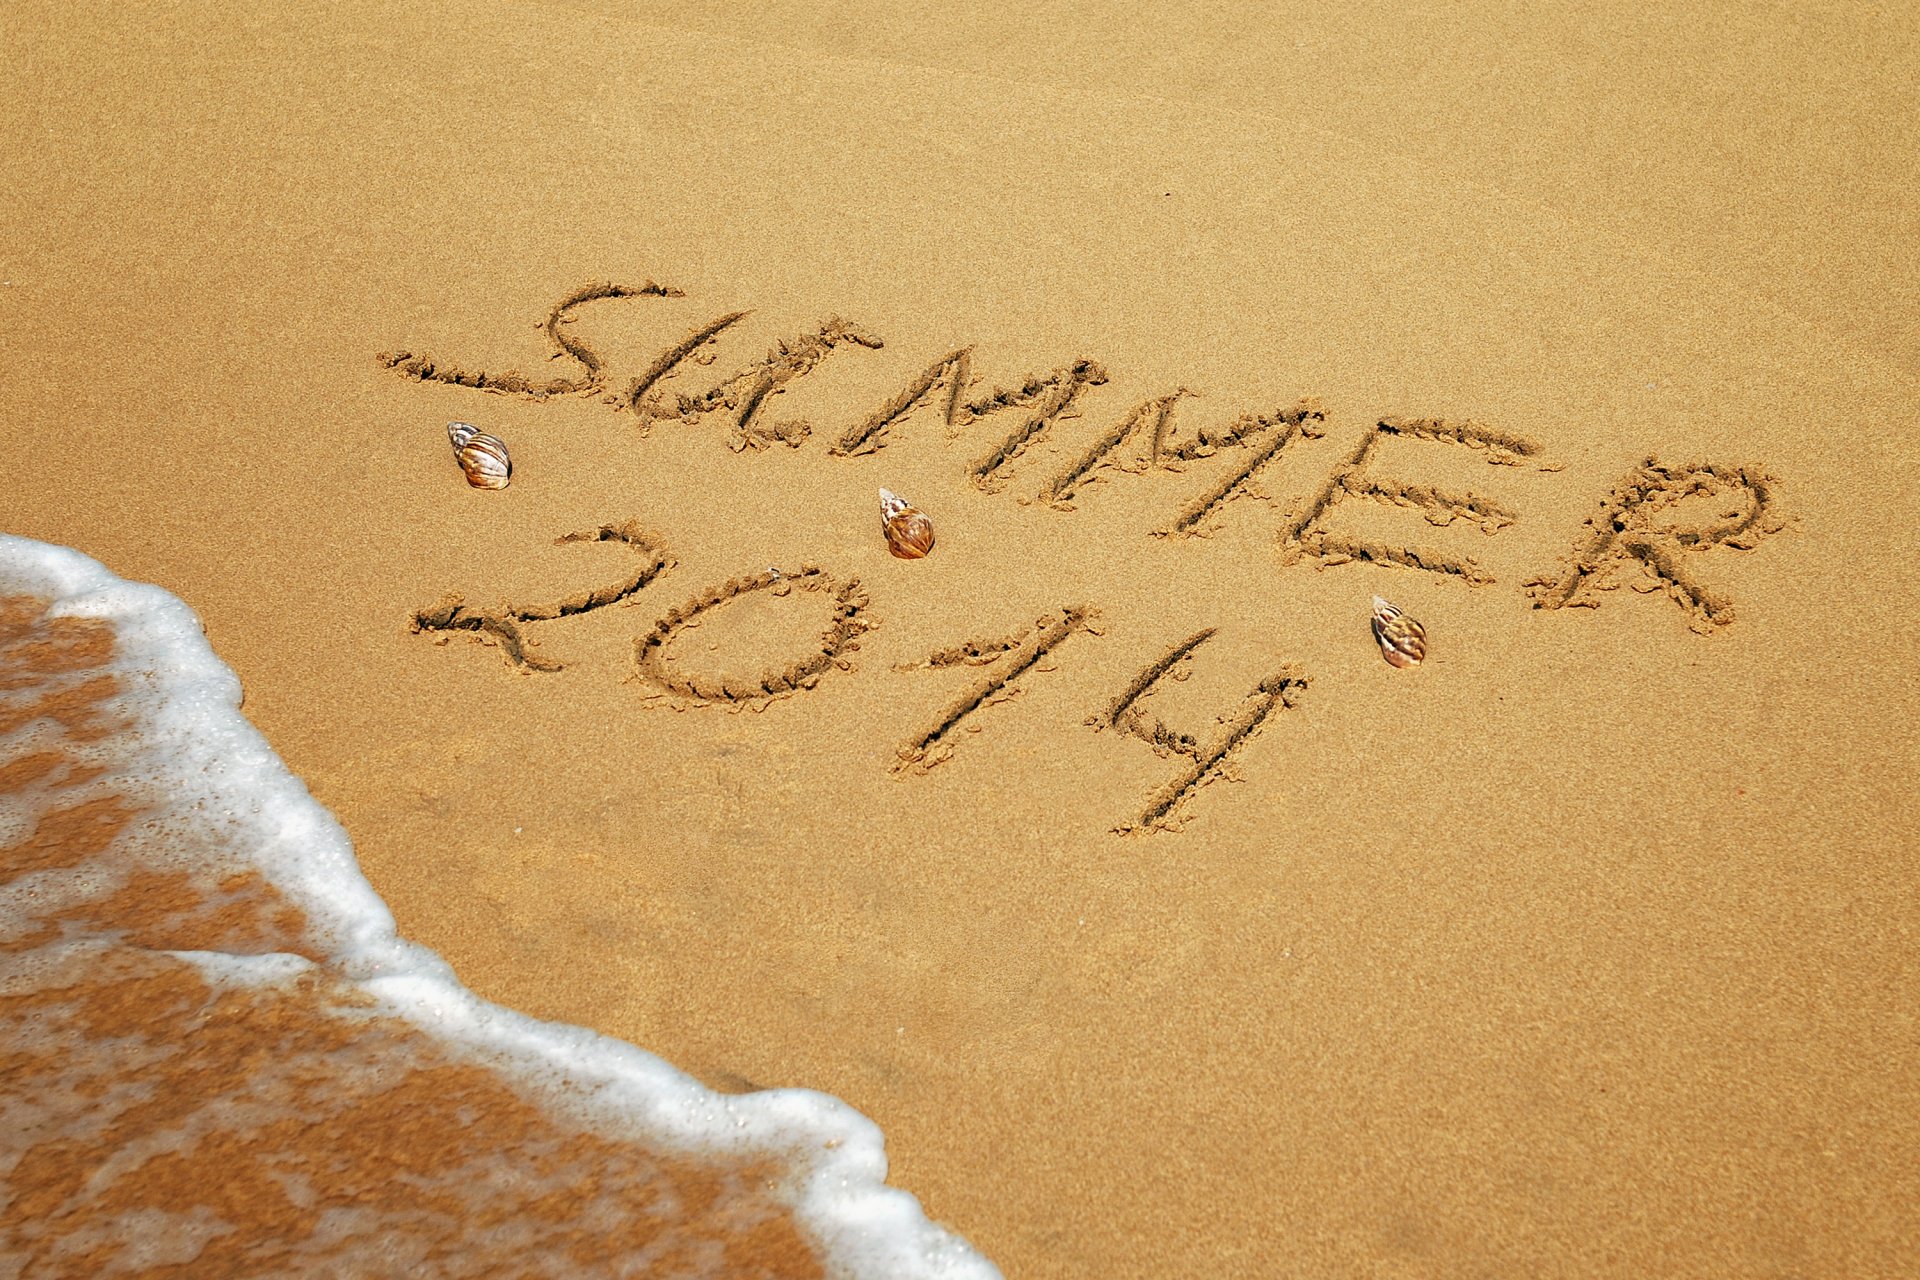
pixel 1162 927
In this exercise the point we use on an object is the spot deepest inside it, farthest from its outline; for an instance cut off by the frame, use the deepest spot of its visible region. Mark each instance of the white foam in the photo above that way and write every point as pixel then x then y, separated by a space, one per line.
pixel 217 777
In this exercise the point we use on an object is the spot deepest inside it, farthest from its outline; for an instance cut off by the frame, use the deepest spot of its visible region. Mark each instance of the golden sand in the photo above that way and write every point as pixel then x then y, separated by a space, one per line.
pixel 1163 927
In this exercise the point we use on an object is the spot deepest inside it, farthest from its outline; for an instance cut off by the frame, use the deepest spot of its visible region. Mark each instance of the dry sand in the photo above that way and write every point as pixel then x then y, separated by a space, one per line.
pixel 1586 947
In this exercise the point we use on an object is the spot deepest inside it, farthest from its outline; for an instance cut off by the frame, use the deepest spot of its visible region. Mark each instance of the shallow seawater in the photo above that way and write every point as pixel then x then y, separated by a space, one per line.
pixel 217 1058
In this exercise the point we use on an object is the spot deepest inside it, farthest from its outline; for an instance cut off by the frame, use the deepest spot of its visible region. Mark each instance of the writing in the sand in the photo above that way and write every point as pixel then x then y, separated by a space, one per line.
pixel 1633 536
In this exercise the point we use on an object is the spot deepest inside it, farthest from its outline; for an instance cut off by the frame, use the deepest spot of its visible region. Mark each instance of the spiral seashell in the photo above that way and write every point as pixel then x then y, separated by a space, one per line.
pixel 1403 642
pixel 909 532
pixel 483 457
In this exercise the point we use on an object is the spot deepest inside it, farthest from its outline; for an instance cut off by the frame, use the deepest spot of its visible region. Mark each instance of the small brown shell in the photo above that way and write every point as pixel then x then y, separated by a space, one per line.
pixel 483 457
pixel 909 532
pixel 1403 642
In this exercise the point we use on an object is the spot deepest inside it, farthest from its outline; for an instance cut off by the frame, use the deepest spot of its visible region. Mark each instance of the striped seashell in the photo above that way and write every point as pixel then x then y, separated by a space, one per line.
pixel 1403 642
pixel 483 457
pixel 909 532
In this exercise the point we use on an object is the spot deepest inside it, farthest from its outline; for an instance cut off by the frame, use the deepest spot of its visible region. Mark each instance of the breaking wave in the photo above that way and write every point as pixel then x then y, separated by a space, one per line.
pixel 218 1058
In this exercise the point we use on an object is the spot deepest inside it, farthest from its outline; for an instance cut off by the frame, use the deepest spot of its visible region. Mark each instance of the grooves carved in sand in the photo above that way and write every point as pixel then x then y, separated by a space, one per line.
pixel 425 368
pixel 1302 422
pixel 1304 535
pixel 934 744
pixel 1146 439
pixel 841 637
pixel 502 623
pixel 1209 760
pixel 1053 397
pixel 1623 532
pixel 746 392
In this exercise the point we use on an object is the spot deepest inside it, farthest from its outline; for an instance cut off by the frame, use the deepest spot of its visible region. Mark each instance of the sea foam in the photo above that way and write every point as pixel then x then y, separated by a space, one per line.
pixel 216 1053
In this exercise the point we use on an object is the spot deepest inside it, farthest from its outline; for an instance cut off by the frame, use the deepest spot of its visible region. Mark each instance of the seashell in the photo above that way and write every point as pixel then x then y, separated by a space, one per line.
pixel 1403 642
pixel 909 532
pixel 483 457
